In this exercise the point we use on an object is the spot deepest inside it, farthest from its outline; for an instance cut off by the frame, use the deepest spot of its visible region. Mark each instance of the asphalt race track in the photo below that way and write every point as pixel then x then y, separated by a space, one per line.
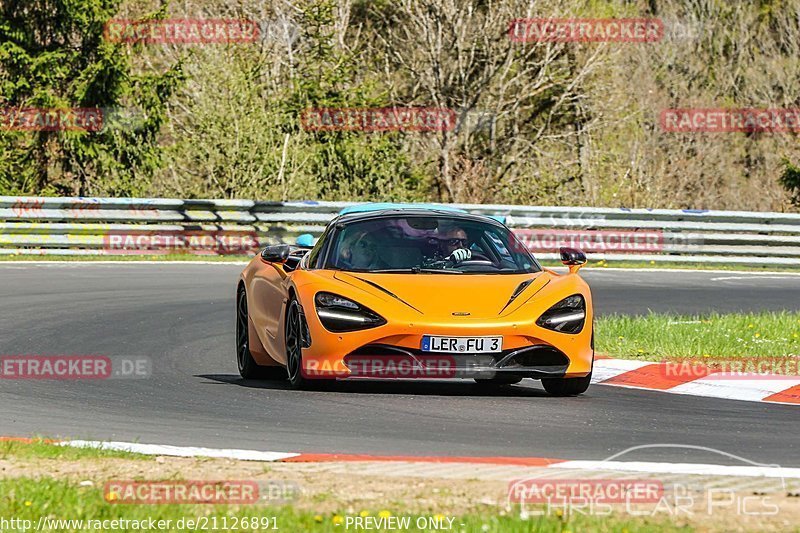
pixel 181 316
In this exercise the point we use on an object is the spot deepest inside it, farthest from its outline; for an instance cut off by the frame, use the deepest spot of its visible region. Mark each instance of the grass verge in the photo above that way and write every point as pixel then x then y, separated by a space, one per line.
pixel 713 336
pixel 45 449
pixel 30 499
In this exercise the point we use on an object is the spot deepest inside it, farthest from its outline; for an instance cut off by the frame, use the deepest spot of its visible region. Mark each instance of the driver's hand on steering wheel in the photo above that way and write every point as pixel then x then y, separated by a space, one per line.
pixel 460 255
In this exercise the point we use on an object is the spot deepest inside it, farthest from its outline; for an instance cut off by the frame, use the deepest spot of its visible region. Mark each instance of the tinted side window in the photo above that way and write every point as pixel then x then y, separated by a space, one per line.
pixel 499 245
pixel 313 255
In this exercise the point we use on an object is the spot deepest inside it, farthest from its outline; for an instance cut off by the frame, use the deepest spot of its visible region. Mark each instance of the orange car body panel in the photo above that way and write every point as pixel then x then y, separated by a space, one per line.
pixel 428 304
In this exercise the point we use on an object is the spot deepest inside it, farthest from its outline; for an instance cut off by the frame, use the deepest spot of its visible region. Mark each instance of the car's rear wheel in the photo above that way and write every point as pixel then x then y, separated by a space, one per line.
pixel 248 368
pixel 566 386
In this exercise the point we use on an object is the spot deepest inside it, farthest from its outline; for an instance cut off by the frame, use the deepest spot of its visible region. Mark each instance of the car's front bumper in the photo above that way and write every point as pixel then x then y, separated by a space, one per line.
pixel 394 350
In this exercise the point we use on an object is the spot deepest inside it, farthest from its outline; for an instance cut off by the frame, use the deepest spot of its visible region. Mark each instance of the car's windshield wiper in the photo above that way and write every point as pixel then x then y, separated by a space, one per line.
pixel 435 271
pixel 414 270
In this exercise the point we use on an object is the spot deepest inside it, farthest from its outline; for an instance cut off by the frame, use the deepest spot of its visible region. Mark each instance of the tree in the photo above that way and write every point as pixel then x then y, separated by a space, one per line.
pixel 790 179
pixel 332 72
pixel 53 56
pixel 459 55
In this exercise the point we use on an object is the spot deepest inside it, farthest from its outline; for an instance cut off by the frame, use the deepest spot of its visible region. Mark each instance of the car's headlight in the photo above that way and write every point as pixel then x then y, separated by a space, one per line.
pixel 567 316
pixel 339 314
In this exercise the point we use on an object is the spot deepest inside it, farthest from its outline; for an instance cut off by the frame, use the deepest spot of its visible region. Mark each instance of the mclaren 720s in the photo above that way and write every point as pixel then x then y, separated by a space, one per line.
pixel 425 292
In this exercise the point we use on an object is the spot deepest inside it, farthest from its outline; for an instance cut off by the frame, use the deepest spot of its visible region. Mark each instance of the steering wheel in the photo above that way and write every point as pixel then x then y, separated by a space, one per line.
pixel 477 259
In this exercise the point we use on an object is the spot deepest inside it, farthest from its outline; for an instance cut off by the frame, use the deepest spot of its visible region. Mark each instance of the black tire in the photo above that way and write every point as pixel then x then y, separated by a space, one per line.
pixel 498 380
pixel 294 351
pixel 248 368
pixel 566 386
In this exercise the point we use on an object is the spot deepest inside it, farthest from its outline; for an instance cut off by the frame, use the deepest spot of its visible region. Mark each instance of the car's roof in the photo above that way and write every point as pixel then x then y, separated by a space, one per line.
pixel 386 209
pixel 405 212
pixel 390 206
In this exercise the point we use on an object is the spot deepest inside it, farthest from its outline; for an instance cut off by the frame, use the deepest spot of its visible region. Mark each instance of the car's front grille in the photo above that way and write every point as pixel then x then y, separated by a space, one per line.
pixel 531 361
pixel 535 356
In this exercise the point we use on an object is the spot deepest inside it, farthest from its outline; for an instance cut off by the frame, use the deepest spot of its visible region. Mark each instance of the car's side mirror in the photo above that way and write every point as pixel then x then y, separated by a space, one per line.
pixel 276 254
pixel 573 258
pixel 293 261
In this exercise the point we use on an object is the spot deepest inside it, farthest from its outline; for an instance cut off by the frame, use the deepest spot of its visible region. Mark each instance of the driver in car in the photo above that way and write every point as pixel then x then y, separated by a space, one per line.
pixel 453 244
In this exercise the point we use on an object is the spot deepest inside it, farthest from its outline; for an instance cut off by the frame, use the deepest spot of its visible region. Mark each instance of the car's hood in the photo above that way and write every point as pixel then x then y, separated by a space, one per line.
pixel 447 295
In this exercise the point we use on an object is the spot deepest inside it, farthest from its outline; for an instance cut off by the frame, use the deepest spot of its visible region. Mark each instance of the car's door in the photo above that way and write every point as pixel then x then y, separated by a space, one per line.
pixel 270 289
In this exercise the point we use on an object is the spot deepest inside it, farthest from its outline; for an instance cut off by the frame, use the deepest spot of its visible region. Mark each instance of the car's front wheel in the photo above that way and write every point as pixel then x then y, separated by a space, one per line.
pixel 248 368
pixel 294 349
pixel 566 386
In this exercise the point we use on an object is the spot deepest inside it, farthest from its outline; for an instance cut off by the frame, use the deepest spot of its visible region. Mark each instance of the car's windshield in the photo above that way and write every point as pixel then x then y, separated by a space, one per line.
pixel 417 244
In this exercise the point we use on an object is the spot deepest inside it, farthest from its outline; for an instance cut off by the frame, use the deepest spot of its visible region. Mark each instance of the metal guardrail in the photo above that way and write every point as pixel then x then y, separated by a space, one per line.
pixel 112 226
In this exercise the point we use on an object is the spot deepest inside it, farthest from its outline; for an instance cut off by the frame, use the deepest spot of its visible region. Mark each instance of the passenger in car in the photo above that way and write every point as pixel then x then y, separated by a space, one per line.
pixel 360 251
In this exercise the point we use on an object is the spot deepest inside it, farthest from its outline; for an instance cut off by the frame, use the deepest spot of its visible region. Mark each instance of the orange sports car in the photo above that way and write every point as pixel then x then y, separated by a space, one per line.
pixel 396 291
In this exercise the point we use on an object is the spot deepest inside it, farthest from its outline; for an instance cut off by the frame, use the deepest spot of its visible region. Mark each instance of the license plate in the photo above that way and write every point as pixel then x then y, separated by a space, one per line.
pixel 434 343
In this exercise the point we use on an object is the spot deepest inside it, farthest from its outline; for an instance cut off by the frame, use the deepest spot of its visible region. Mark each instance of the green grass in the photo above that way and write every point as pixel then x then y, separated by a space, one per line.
pixel 41 449
pixel 28 499
pixel 661 336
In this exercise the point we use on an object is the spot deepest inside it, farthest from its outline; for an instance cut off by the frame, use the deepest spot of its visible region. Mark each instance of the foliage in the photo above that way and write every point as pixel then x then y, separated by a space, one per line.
pixel 790 179
pixel 53 56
